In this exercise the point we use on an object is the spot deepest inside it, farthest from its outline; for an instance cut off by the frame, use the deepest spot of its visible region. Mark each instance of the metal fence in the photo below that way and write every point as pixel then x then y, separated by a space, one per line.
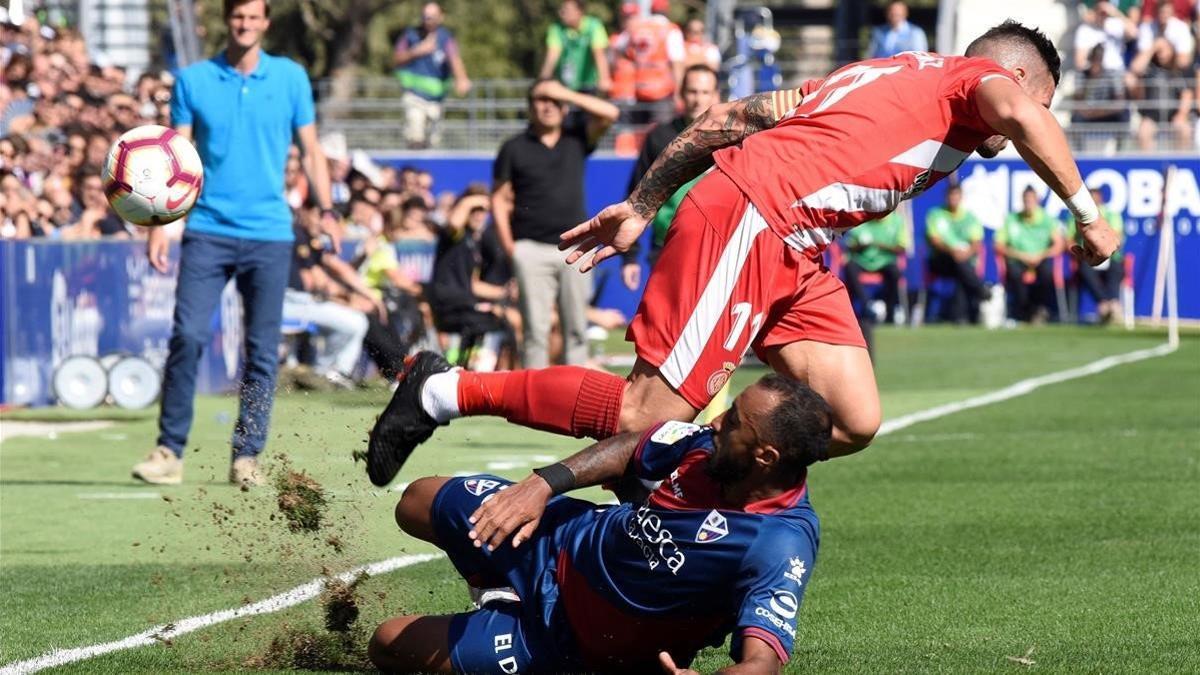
pixel 371 116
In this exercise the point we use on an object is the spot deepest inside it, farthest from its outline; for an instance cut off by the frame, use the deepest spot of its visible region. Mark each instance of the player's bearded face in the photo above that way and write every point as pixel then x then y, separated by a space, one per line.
pixel 726 466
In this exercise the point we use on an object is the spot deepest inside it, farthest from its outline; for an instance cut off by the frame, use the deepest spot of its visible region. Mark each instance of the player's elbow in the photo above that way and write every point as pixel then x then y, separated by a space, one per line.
pixel 714 118
pixel 1018 118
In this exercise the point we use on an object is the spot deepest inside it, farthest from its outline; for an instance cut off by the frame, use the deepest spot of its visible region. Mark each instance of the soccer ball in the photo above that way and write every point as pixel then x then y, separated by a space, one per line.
pixel 152 175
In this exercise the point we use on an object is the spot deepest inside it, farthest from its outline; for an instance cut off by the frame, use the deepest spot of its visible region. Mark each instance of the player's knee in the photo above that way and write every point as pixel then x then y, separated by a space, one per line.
pixel 413 509
pixel 860 430
pixel 382 649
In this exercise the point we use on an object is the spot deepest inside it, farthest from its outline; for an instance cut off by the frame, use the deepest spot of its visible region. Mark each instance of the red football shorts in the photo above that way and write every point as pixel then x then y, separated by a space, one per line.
pixel 725 282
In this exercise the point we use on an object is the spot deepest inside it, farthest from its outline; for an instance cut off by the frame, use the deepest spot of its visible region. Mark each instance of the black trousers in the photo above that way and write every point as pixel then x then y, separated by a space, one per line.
pixel 858 293
pixel 1102 284
pixel 1027 297
pixel 969 287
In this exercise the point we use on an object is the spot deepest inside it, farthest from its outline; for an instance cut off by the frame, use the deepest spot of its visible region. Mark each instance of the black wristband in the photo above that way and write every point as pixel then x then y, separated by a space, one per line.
pixel 558 477
pixel 331 212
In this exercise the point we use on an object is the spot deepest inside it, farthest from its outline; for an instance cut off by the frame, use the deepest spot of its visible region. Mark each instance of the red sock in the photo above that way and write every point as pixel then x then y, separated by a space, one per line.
pixel 562 399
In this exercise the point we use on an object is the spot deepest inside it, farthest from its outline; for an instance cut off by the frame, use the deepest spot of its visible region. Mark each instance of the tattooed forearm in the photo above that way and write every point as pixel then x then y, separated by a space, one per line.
pixel 605 461
pixel 691 152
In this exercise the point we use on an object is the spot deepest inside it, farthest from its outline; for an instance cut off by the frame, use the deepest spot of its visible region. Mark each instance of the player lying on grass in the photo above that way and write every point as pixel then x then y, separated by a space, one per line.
pixel 724 545
pixel 741 266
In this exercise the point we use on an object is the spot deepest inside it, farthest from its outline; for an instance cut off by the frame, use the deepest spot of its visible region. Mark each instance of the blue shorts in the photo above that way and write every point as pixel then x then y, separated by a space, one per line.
pixel 531 635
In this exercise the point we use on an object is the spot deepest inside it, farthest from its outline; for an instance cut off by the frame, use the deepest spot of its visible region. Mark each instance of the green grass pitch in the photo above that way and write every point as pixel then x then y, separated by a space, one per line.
pixel 1065 521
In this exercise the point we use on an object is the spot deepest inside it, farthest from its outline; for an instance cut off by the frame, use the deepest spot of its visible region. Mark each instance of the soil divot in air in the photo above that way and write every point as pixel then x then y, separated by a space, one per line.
pixel 341 603
pixel 301 500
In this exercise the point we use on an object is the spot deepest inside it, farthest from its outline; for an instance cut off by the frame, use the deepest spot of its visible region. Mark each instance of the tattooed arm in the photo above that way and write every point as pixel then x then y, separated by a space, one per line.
pixel 617 227
pixel 722 125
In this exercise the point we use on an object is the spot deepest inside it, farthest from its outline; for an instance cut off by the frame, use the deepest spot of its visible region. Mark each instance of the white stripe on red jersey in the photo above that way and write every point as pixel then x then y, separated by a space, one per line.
pixel 862 140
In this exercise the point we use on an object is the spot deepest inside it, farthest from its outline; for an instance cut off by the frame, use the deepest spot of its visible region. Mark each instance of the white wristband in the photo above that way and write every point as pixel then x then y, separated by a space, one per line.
pixel 1082 206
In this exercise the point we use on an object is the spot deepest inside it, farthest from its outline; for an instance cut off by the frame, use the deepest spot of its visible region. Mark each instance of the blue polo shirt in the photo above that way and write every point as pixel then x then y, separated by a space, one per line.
pixel 243 126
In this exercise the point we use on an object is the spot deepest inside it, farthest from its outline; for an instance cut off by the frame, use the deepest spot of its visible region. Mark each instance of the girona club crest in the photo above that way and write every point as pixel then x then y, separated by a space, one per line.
pixel 720 377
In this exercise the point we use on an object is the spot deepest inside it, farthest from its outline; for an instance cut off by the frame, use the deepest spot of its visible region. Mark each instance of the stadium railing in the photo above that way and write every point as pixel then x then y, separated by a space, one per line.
pixel 371 117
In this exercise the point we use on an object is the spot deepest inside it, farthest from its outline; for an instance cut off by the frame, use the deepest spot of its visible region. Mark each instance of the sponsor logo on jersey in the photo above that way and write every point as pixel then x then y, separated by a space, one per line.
pixel 713 528
pixel 796 570
pixel 655 541
pixel 504 643
pixel 784 604
pixel 673 481
pixel 672 432
pixel 785 626
pixel 478 486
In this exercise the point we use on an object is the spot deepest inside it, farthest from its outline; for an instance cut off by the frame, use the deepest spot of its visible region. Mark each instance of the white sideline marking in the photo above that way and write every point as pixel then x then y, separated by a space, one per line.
pixel 304 592
pixel 297 595
pixel 119 495
pixel 1023 387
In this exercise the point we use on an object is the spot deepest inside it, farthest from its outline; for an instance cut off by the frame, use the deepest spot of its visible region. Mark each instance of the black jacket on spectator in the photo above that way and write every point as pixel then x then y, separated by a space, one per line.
pixel 547 182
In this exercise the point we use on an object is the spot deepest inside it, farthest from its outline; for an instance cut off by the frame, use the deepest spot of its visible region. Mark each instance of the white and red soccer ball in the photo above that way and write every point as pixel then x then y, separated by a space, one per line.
pixel 152 175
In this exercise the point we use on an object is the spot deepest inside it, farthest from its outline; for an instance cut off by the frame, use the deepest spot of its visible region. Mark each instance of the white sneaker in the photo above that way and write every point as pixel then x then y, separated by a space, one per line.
pixel 161 467
pixel 244 472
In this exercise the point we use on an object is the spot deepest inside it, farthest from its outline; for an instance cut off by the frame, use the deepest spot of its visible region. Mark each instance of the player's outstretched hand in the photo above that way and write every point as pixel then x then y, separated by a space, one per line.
pixel 514 511
pixel 608 233
pixel 1097 242
pixel 669 667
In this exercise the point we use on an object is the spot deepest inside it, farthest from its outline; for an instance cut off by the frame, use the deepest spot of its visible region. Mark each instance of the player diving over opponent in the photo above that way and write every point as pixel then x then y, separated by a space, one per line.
pixel 741 265
pixel 726 544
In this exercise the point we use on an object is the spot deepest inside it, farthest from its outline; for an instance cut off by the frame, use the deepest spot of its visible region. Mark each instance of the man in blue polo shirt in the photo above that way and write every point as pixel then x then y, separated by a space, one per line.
pixel 242 108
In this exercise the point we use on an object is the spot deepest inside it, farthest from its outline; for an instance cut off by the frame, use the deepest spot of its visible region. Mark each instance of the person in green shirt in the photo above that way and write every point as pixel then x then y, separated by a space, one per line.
pixel 875 246
pixel 1029 241
pixel 1104 282
pixel 955 238
pixel 575 51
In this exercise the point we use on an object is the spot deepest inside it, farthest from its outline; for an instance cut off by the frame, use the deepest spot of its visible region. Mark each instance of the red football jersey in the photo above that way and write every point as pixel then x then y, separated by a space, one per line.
pixel 860 141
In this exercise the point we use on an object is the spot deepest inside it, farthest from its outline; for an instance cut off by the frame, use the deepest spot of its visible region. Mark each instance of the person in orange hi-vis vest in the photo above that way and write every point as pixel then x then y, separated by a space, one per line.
pixel 655 46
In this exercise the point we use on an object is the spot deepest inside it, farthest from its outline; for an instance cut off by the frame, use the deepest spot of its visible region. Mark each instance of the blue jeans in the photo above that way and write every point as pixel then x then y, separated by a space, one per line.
pixel 261 270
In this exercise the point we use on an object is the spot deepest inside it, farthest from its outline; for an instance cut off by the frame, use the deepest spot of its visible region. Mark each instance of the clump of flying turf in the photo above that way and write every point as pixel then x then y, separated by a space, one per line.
pixel 340 602
pixel 311 649
pixel 301 500
pixel 341 646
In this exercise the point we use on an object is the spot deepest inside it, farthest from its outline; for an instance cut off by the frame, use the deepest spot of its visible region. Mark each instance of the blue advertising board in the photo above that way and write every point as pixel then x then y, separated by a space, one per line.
pixel 96 298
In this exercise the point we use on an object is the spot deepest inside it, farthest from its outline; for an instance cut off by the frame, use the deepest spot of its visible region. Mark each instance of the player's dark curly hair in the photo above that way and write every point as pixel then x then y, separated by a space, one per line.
pixel 1013 34
pixel 801 425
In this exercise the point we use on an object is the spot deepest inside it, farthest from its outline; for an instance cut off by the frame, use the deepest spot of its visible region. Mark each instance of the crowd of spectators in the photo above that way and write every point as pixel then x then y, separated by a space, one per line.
pixel 639 67
pixel 60 109
pixel 1136 63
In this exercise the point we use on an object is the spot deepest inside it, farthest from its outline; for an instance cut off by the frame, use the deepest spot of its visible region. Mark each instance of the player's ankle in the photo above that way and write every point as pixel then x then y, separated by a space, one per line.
pixel 439 396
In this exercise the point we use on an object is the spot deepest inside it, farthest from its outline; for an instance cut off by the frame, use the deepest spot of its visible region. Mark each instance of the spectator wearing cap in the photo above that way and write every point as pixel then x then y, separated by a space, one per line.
pixel 576 50
pixel 897 35
pixel 426 57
